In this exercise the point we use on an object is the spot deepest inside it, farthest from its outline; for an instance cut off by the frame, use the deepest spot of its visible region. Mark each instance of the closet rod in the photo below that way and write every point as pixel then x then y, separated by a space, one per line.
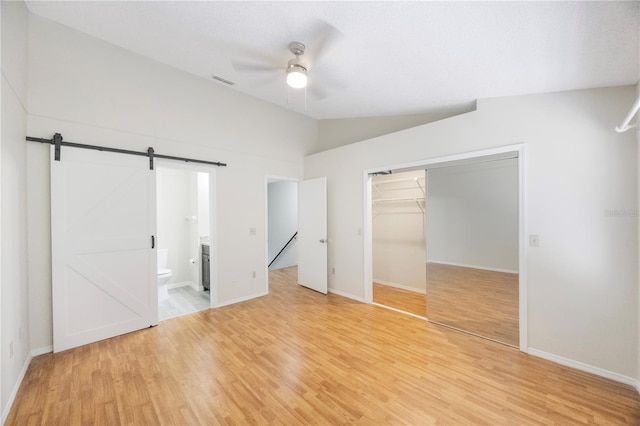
pixel 625 124
pixel 57 141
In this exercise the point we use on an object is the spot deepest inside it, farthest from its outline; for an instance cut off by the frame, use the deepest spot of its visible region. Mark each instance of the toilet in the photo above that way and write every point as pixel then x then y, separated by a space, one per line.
pixel 164 274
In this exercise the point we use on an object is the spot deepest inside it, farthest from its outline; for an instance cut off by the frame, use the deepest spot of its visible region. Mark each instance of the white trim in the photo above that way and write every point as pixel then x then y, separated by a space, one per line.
pixel 41 351
pixel 241 299
pixel 463 265
pixel 400 286
pixel 347 295
pixel 448 158
pixel 14 392
pixel 367 240
pixel 586 367
pixel 522 225
pixel 522 252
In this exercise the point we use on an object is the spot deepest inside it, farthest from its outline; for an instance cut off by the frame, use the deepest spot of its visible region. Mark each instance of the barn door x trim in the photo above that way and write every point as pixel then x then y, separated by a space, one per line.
pixel 58 143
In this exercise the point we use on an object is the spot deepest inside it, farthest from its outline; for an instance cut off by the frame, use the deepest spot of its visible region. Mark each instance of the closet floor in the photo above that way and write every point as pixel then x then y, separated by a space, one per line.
pixel 404 300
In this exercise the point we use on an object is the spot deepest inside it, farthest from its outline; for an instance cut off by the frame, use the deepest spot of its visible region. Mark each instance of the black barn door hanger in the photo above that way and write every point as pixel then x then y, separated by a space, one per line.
pixel 58 142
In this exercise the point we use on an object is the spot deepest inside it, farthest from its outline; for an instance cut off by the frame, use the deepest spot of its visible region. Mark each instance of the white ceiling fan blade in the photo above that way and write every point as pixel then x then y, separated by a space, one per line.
pixel 326 37
pixel 324 85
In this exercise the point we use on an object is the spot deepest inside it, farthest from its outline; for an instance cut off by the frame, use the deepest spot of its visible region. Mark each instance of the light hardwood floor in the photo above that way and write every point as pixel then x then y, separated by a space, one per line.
pixel 475 300
pixel 300 357
pixel 404 300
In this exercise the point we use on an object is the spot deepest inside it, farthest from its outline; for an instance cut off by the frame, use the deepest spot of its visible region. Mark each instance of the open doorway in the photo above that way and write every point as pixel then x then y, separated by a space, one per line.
pixel 473 235
pixel 282 226
pixel 184 237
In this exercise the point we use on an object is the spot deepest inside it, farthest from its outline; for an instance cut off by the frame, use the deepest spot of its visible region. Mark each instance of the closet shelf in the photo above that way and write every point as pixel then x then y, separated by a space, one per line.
pixel 398 200
pixel 381 189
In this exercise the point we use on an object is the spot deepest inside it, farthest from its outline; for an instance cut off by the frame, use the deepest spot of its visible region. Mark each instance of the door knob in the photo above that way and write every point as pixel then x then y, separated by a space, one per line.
pixel 323 241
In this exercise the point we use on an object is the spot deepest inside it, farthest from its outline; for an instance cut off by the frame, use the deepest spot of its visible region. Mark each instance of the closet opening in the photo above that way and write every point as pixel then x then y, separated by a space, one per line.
pixel 445 242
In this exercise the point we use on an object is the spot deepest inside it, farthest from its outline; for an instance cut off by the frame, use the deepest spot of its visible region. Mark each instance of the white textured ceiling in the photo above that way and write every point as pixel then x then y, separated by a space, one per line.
pixel 391 57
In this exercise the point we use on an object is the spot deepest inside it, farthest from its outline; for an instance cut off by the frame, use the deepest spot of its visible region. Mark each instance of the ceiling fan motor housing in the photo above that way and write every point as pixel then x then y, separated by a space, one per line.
pixel 297 48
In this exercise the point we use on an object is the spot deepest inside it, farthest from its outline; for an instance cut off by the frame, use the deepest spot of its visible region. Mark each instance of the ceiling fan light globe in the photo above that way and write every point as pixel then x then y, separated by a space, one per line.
pixel 296 79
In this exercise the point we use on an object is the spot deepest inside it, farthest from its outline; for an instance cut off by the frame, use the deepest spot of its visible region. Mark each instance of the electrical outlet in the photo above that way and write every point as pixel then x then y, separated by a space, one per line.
pixel 252 231
pixel 254 274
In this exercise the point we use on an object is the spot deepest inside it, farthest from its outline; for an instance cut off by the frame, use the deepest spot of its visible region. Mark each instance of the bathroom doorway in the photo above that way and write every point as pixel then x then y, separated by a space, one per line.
pixel 184 239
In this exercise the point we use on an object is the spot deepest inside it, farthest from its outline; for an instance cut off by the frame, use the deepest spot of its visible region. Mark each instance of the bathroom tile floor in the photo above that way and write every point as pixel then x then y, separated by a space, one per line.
pixel 181 301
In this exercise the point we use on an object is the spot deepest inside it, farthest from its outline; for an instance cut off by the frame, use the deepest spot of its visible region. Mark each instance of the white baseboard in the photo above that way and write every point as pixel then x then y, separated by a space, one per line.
pixel 484 268
pixel 41 351
pixel 586 367
pixel 401 286
pixel 347 295
pixel 14 392
pixel 241 299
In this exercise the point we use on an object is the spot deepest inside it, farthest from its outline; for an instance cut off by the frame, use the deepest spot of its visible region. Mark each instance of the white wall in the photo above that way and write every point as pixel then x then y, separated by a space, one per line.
pixel 472 215
pixel 398 237
pixel 333 133
pixel 175 204
pixel 14 288
pixel 583 279
pixel 282 223
pixel 94 92
pixel 203 205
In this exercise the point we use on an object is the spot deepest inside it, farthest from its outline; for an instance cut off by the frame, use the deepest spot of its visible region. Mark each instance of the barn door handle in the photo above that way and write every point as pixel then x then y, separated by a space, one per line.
pixel 153 242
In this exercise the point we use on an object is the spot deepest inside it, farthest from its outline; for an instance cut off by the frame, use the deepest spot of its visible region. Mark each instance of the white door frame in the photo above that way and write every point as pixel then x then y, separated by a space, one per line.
pixel 213 230
pixel 267 180
pixel 522 223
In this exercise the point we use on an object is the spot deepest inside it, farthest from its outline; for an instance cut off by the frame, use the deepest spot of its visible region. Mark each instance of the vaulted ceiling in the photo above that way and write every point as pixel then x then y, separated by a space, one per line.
pixel 375 58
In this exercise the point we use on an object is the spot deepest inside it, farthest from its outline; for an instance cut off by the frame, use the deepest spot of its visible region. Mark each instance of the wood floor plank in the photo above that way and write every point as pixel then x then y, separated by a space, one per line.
pixel 475 300
pixel 404 300
pixel 296 356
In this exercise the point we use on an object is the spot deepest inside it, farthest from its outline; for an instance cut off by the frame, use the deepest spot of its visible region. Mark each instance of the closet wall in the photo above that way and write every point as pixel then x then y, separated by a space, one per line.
pixel 398 230
pixel 473 215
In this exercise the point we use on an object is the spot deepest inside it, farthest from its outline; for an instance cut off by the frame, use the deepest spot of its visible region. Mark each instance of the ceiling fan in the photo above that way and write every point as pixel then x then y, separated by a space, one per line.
pixel 297 70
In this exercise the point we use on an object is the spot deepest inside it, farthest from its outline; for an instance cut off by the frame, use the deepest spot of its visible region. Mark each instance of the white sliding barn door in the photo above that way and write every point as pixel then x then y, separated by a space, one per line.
pixel 103 265
pixel 312 234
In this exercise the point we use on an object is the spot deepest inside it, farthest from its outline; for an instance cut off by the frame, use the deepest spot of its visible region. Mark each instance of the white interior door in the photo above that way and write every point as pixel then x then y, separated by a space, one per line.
pixel 312 234
pixel 103 265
